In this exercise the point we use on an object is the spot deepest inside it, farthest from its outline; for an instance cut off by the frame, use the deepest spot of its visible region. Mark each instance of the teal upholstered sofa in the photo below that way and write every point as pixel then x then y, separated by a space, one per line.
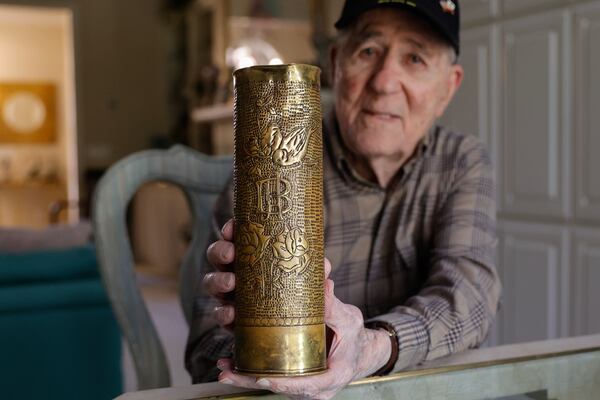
pixel 58 336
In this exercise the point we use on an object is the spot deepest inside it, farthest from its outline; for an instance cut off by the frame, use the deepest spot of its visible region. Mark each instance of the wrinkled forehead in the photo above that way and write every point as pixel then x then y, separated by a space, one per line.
pixel 390 22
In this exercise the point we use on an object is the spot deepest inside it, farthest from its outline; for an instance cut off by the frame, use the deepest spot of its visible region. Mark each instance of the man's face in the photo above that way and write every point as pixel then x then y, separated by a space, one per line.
pixel 393 77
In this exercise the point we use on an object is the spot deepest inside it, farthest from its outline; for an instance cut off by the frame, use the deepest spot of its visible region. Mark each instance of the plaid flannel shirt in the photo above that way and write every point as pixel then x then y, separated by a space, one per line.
pixel 418 255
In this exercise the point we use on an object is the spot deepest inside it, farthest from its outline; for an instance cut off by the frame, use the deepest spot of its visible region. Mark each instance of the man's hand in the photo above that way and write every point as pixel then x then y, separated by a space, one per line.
pixel 221 284
pixel 355 352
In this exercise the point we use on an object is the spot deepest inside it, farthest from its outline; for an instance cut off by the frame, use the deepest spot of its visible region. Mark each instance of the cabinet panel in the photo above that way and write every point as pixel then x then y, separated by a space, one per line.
pixel 476 10
pixel 470 110
pixel 515 6
pixel 534 159
pixel 587 89
pixel 586 278
pixel 533 269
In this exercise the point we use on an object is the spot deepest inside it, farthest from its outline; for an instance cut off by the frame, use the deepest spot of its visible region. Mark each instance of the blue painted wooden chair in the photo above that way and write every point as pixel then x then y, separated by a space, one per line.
pixel 202 178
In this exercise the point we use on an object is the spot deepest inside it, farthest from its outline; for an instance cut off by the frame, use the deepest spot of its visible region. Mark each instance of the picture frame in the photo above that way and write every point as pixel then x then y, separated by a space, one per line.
pixel 27 112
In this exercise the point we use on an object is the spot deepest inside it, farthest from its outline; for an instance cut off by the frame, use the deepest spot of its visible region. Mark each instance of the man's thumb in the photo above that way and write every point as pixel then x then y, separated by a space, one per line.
pixel 334 308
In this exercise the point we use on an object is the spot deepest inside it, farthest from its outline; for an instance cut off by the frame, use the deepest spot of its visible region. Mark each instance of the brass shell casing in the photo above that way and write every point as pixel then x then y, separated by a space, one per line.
pixel 278 212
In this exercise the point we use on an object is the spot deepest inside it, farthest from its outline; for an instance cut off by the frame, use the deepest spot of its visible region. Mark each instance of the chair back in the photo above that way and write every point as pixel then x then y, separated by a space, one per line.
pixel 201 178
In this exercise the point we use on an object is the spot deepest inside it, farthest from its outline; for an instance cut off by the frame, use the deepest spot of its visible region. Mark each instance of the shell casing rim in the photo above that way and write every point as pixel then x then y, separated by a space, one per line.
pixel 281 72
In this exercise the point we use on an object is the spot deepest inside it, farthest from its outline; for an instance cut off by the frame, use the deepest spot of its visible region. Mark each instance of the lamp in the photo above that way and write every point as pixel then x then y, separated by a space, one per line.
pixel 252 51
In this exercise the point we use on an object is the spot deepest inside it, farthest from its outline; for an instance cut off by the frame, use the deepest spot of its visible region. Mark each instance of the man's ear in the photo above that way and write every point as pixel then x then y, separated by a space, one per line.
pixel 453 82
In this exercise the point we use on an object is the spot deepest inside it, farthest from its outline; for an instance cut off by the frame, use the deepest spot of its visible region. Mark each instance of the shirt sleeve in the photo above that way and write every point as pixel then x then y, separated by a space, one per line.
pixel 456 306
pixel 207 341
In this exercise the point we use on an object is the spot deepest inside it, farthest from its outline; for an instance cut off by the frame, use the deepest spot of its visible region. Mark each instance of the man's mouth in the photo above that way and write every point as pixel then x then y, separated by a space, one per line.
pixel 381 114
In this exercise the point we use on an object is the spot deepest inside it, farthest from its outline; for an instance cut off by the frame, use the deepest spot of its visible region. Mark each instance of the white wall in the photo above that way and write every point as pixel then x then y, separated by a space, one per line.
pixel 33 48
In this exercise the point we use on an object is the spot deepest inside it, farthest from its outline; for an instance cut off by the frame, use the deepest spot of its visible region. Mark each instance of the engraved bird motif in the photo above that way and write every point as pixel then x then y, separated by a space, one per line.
pixel 289 148
pixel 286 145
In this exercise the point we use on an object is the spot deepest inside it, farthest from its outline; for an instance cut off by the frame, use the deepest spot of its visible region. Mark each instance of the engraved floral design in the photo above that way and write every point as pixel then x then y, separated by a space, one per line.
pixel 251 242
pixel 291 251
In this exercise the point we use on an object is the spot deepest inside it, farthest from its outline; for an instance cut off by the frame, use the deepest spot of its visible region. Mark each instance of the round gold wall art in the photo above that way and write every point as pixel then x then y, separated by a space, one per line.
pixel 27 113
pixel 278 206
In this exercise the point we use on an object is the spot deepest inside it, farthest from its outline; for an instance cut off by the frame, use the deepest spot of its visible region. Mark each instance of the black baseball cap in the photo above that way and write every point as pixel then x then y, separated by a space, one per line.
pixel 442 14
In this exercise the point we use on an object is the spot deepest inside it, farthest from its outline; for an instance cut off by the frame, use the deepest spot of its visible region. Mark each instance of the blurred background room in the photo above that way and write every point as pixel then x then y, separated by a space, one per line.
pixel 84 84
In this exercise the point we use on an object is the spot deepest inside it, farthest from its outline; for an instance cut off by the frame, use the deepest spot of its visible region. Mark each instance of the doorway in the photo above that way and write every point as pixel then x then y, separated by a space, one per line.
pixel 38 130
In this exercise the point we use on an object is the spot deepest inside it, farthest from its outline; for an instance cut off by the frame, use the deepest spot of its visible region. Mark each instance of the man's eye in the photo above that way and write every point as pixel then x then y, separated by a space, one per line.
pixel 416 59
pixel 368 51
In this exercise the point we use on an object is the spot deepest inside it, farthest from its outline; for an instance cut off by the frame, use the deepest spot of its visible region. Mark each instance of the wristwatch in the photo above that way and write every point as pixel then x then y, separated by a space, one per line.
pixel 389 329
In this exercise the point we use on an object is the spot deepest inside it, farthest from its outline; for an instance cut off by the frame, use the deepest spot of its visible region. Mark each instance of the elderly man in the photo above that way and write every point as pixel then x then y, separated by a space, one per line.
pixel 409 210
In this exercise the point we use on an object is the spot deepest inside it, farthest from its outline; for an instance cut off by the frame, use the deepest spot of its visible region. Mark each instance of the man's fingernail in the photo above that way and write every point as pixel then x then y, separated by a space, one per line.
pixel 226 381
pixel 225 254
pixel 217 313
pixel 225 227
pixel 229 282
pixel 263 383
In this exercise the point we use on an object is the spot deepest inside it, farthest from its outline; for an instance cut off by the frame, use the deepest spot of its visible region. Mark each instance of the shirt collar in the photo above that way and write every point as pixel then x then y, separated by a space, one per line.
pixel 339 151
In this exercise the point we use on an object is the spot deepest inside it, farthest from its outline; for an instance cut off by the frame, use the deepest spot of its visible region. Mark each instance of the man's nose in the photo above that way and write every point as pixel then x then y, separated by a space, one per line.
pixel 387 76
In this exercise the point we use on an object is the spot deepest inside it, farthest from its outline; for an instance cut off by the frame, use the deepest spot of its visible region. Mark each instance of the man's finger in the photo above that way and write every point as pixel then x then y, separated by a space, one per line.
pixel 225 364
pixel 228 230
pixel 224 314
pixel 218 283
pixel 327 268
pixel 305 386
pixel 220 254
pixel 338 315
pixel 302 385
pixel 230 378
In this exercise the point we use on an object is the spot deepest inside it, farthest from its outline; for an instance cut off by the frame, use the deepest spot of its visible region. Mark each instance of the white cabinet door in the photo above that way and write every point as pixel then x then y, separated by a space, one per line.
pixel 585 298
pixel 587 113
pixel 533 269
pixel 534 150
pixel 515 6
pixel 470 111
pixel 472 11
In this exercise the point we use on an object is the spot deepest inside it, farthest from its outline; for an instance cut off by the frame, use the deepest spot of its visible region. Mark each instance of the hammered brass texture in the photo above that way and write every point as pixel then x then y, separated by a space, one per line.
pixel 278 212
